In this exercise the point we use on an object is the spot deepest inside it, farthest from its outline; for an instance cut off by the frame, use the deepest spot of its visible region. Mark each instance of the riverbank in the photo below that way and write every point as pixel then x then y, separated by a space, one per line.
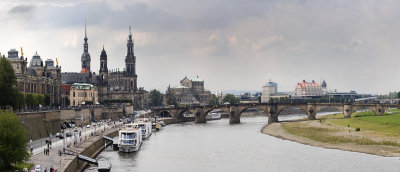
pixel 90 146
pixel 327 133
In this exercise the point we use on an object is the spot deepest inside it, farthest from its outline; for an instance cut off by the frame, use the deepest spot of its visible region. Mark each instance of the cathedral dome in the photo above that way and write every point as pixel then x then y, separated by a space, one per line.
pixel 36 61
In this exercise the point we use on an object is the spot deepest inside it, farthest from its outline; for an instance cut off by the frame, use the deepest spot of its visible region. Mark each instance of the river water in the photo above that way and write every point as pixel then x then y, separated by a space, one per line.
pixel 218 146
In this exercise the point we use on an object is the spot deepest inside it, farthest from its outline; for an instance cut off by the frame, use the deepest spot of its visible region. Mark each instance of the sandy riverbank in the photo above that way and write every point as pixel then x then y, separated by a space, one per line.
pixel 277 130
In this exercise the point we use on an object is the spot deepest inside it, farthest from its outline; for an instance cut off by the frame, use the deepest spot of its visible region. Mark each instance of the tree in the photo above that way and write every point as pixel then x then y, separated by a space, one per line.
pixel 12 140
pixel 214 100
pixel 46 99
pixel 29 99
pixel 156 98
pixel 8 82
pixel 231 99
pixel 172 101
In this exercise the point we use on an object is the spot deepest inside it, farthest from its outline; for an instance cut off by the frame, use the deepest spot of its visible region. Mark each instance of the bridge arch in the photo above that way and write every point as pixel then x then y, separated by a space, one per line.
pixel 328 108
pixel 365 108
pixel 283 108
pixel 164 114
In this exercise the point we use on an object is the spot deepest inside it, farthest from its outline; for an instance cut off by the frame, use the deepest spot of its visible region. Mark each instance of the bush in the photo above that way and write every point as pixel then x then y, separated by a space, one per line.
pixel 358 129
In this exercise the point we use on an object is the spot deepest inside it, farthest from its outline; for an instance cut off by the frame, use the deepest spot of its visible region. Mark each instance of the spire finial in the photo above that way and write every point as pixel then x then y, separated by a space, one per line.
pixel 130 32
pixel 85 28
pixel 103 47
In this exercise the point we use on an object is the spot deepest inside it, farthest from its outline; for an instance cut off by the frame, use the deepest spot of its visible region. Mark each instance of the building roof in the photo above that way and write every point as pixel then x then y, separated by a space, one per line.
pixel 305 84
pixel 82 86
pixel 70 78
pixel 181 86
pixel 31 72
pixel 12 54
pixel 197 79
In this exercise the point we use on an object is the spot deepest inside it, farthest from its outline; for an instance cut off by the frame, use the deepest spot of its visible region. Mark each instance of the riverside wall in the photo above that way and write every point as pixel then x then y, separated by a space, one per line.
pixel 43 123
pixel 91 150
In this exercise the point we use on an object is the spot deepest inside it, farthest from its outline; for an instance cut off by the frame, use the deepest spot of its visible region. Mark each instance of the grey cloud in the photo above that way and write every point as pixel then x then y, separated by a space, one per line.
pixel 21 9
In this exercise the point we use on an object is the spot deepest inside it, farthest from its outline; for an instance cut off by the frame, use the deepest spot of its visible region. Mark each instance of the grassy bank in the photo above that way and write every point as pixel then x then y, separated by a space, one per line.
pixel 327 135
pixel 388 124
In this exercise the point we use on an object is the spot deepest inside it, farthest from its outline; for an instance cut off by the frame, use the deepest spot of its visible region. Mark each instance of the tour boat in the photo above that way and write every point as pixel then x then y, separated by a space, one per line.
pixel 145 126
pixel 130 138
pixel 103 165
pixel 214 115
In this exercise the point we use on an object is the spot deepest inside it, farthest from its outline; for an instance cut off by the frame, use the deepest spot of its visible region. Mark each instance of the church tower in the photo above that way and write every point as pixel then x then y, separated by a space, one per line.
pixel 103 66
pixel 85 58
pixel 130 62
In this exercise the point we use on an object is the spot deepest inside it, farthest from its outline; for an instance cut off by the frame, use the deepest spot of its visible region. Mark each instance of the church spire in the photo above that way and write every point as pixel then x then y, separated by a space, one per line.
pixel 85 32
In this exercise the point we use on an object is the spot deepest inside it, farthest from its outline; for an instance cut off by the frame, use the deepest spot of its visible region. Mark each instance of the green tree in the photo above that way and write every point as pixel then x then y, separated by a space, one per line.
pixel 29 99
pixel 12 140
pixel 46 99
pixel 40 98
pixel 172 101
pixel 156 98
pixel 231 99
pixel 21 99
pixel 214 100
pixel 8 82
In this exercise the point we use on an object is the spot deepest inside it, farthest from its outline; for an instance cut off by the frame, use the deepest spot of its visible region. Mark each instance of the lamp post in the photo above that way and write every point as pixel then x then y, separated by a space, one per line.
pixel 30 130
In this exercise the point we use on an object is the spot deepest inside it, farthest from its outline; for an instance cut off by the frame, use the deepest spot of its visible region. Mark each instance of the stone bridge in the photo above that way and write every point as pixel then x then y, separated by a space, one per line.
pixel 272 110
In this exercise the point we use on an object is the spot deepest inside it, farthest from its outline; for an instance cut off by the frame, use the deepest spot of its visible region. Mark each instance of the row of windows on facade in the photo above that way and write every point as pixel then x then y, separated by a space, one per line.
pixel 80 94
pixel 32 88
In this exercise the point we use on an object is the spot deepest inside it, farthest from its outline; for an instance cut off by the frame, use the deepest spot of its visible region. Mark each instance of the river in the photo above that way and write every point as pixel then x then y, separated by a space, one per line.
pixel 218 146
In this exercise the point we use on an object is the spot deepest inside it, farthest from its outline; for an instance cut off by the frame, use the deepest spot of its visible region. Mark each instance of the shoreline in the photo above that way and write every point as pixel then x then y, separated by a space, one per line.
pixel 276 130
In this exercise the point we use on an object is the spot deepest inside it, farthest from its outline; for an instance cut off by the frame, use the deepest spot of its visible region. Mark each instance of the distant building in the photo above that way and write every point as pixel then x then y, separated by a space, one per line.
pixel 191 91
pixel 268 89
pixel 80 94
pixel 312 89
pixel 39 77
pixel 110 84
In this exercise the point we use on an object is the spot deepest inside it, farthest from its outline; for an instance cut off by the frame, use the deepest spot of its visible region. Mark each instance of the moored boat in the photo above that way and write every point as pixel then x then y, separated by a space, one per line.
pixel 145 126
pixel 130 138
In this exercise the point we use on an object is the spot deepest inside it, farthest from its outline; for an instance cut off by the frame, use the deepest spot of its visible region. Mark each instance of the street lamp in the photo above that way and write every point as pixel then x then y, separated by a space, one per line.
pixel 30 130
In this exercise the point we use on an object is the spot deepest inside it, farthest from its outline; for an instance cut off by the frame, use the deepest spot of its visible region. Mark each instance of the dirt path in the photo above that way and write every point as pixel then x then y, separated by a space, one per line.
pixel 275 129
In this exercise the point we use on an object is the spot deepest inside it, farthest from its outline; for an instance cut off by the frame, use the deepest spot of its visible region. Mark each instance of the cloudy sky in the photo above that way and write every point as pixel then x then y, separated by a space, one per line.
pixel 231 44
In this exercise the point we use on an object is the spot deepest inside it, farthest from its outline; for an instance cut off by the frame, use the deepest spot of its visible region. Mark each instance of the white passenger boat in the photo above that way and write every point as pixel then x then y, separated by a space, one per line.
pixel 213 115
pixel 130 138
pixel 145 126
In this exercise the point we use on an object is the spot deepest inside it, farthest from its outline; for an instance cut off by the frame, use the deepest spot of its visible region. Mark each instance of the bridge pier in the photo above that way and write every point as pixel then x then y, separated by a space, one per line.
pixel 311 112
pixel 199 116
pixel 347 111
pixel 234 117
pixel 272 113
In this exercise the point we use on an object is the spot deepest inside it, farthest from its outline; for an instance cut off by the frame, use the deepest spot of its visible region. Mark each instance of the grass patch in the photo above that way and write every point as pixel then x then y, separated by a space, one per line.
pixel 325 135
pixel 388 124
pixel 339 115
pixel 19 167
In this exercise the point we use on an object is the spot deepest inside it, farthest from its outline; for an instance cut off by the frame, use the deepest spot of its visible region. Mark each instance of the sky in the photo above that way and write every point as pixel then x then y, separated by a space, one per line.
pixel 231 44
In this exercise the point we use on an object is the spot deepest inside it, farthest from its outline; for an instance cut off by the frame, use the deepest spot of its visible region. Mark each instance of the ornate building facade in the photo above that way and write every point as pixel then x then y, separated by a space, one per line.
pixel 311 89
pixel 191 91
pixel 39 77
pixel 111 84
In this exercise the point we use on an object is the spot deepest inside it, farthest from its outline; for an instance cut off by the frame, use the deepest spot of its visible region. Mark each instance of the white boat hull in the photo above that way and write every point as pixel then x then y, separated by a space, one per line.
pixel 129 148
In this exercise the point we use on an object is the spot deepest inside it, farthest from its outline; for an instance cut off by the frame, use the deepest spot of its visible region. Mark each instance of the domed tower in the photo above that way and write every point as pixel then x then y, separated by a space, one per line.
pixel 36 61
pixel 103 66
pixel 85 58
pixel 323 85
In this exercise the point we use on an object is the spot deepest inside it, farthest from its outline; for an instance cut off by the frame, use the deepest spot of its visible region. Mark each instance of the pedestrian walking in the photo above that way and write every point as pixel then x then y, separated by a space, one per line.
pixel 31 149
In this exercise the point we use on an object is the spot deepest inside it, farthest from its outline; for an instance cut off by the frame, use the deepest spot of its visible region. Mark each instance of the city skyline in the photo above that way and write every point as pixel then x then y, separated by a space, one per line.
pixel 234 46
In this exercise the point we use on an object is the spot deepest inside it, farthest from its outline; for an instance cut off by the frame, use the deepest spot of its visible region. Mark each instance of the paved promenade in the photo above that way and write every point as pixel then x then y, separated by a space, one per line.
pixel 53 159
